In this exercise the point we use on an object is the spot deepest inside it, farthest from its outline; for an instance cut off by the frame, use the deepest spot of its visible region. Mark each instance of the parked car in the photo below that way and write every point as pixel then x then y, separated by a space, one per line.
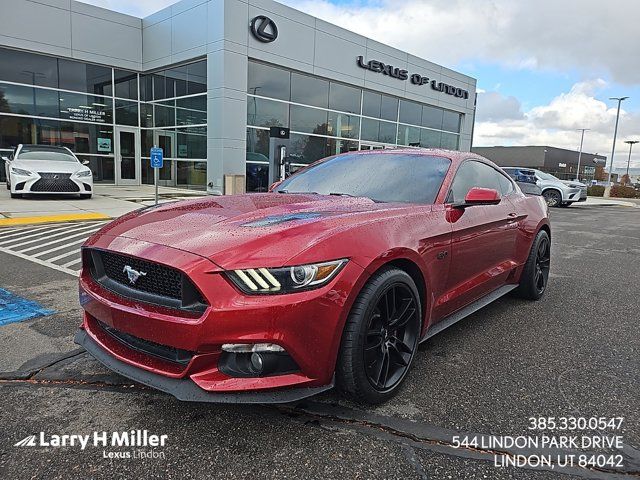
pixel 47 169
pixel 332 278
pixel 556 192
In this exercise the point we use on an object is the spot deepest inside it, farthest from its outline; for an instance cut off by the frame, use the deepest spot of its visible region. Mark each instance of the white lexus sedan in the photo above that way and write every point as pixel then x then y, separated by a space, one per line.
pixel 47 169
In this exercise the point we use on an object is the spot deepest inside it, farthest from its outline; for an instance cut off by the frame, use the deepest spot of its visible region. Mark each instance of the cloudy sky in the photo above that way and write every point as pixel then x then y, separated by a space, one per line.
pixel 544 67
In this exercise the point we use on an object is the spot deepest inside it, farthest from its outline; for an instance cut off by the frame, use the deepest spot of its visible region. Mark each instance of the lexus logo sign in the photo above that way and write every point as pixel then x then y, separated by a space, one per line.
pixel 264 29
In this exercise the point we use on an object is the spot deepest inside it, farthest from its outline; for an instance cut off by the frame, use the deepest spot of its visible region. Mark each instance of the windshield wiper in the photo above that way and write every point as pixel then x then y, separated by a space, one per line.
pixel 338 194
pixel 287 191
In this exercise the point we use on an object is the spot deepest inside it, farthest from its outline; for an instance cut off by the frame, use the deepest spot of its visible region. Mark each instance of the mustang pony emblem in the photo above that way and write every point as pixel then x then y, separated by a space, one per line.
pixel 132 274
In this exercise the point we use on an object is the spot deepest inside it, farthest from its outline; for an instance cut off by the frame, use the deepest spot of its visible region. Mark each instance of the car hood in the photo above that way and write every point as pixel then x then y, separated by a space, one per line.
pixel 572 184
pixel 244 231
pixel 47 166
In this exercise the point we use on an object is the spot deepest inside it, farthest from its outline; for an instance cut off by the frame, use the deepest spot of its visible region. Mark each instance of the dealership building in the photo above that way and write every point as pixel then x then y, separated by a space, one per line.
pixel 559 162
pixel 205 81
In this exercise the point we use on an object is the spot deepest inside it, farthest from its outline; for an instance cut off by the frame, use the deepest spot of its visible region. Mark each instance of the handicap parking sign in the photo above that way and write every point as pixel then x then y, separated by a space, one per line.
pixel 156 157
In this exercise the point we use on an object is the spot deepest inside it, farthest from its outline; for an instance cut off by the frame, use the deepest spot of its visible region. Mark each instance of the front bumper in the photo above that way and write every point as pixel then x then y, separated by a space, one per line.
pixel 572 195
pixel 186 390
pixel 36 184
pixel 308 325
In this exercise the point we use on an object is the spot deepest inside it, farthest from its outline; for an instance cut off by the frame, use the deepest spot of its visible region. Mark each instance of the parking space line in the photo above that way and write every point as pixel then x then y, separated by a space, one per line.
pixel 61 232
pixel 59 240
pixel 66 232
pixel 55 249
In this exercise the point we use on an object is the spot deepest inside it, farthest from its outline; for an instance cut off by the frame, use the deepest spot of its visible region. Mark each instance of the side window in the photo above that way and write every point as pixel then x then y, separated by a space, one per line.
pixel 506 187
pixel 473 174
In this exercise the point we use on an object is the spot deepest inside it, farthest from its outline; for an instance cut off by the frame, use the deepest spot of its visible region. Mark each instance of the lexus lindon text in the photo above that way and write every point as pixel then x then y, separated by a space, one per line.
pixel 331 278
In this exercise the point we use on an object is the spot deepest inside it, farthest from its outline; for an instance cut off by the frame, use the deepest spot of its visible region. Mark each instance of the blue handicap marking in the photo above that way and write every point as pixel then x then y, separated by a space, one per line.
pixel 17 309
pixel 157 156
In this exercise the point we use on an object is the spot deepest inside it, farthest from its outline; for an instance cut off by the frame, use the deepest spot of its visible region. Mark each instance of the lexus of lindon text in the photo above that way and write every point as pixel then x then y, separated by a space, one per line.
pixel 331 278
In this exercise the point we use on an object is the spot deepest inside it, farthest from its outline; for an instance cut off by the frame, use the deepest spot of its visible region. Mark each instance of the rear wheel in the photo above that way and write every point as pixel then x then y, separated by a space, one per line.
pixel 380 337
pixel 552 197
pixel 535 275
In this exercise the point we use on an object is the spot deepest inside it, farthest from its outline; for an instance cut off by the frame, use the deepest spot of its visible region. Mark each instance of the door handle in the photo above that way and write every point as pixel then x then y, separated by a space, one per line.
pixel 512 215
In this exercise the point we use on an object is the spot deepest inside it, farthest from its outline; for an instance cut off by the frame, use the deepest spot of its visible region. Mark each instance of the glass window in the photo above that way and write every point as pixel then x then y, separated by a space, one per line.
pixel 146 88
pixel 268 81
pixel 146 115
pixel 371 104
pixel 126 84
pixel 176 81
pixel 23 67
pixel 49 104
pixel 432 117
pixel 257 145
pixel 197 77
pixel 472 174
pixel 341 125
pixel 336 146
pixel 307 149
pixel 410 112
pixel 408 136
pixel 387 132
pixel 370 130
pixel 344 98
pixel 267 113
pixel 126 113
pixel 191 145
pixel 191 110
pixel 385 177
pixel 257 177
pixel 449 141
pixel 78 137
pixel 164 116
pixel 16 130
pixel 429 138
pixel 159 86
pixel 506 186
pixel 451 121
pixel 76 106
pixel 310 120
pixel 309 90
pixel 18 99
pixel 191 174
pixel 389 108
pixel 84 77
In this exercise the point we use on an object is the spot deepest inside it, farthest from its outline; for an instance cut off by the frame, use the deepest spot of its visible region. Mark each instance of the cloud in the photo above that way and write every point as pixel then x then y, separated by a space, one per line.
pixel 556 123
pixel 590 36
pixel 493 106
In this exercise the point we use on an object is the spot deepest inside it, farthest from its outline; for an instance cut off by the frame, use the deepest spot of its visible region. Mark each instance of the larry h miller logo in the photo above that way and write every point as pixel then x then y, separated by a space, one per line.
pixel 138 444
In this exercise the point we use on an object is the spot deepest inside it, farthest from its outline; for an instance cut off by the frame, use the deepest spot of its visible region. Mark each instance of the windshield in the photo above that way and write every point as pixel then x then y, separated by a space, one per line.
pixel 546 176
pixel 387 177
pixel 56 155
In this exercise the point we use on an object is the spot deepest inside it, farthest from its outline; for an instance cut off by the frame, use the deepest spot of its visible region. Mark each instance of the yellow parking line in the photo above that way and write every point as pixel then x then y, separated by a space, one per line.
pixel 68 217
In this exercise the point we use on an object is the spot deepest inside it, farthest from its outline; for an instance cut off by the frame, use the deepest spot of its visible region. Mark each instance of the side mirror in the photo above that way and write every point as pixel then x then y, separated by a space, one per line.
pixel 274 185
pixel 86 162
pixel 6 159
pixel 480 196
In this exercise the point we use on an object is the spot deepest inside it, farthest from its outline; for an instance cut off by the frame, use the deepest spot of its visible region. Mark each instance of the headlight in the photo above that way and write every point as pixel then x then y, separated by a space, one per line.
pixel 258 281
pixel 19 171
pixel 83 173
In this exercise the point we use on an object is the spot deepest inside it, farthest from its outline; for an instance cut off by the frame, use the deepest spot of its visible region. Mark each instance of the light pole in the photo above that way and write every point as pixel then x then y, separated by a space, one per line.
pixel 631 144
pixel 615 133
pixel 580 152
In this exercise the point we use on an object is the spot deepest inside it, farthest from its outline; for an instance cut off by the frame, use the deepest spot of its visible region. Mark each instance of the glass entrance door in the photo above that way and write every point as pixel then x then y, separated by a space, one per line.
pixel 127 156
pixel 167 142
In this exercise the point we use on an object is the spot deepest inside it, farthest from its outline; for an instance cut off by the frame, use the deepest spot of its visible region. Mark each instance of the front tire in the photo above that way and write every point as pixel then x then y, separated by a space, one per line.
pixel 552 197
pixel 535 276
pixel 380 337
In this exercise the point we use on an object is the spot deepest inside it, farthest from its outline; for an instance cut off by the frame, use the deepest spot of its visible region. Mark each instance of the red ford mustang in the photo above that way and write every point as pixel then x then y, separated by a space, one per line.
pixel 333 277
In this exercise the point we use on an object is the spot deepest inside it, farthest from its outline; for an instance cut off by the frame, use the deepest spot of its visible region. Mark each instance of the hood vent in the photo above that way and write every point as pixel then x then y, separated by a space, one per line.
pixel 276 219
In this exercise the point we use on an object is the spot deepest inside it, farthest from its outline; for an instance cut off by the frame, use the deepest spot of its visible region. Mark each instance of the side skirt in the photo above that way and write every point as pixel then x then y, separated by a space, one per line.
pixel 466 311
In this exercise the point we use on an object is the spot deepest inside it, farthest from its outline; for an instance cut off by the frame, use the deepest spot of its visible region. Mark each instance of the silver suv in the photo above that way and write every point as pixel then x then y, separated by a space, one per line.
pixel 556 192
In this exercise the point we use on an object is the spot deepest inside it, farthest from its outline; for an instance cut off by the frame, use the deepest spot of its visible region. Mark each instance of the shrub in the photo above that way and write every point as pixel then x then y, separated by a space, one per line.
pixel 620 191
pixel 595 190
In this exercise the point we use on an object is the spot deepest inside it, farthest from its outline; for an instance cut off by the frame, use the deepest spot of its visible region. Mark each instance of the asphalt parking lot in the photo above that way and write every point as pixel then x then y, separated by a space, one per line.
pixel 574 353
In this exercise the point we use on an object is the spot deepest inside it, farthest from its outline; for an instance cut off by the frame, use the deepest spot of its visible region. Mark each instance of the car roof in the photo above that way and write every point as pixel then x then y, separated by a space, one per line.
pixel 35 146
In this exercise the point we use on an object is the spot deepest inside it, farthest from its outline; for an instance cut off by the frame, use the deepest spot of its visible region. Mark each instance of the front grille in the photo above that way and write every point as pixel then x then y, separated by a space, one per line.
pixel 171 354
pixel 154 278
pixel 54 182
pixel 139 279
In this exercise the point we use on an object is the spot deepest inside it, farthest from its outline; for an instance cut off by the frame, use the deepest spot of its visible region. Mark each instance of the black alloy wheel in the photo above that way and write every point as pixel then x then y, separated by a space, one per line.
pixel 543 263
pixel 535 275
pixel 391 337
pixel 380 337
pixel 552 197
